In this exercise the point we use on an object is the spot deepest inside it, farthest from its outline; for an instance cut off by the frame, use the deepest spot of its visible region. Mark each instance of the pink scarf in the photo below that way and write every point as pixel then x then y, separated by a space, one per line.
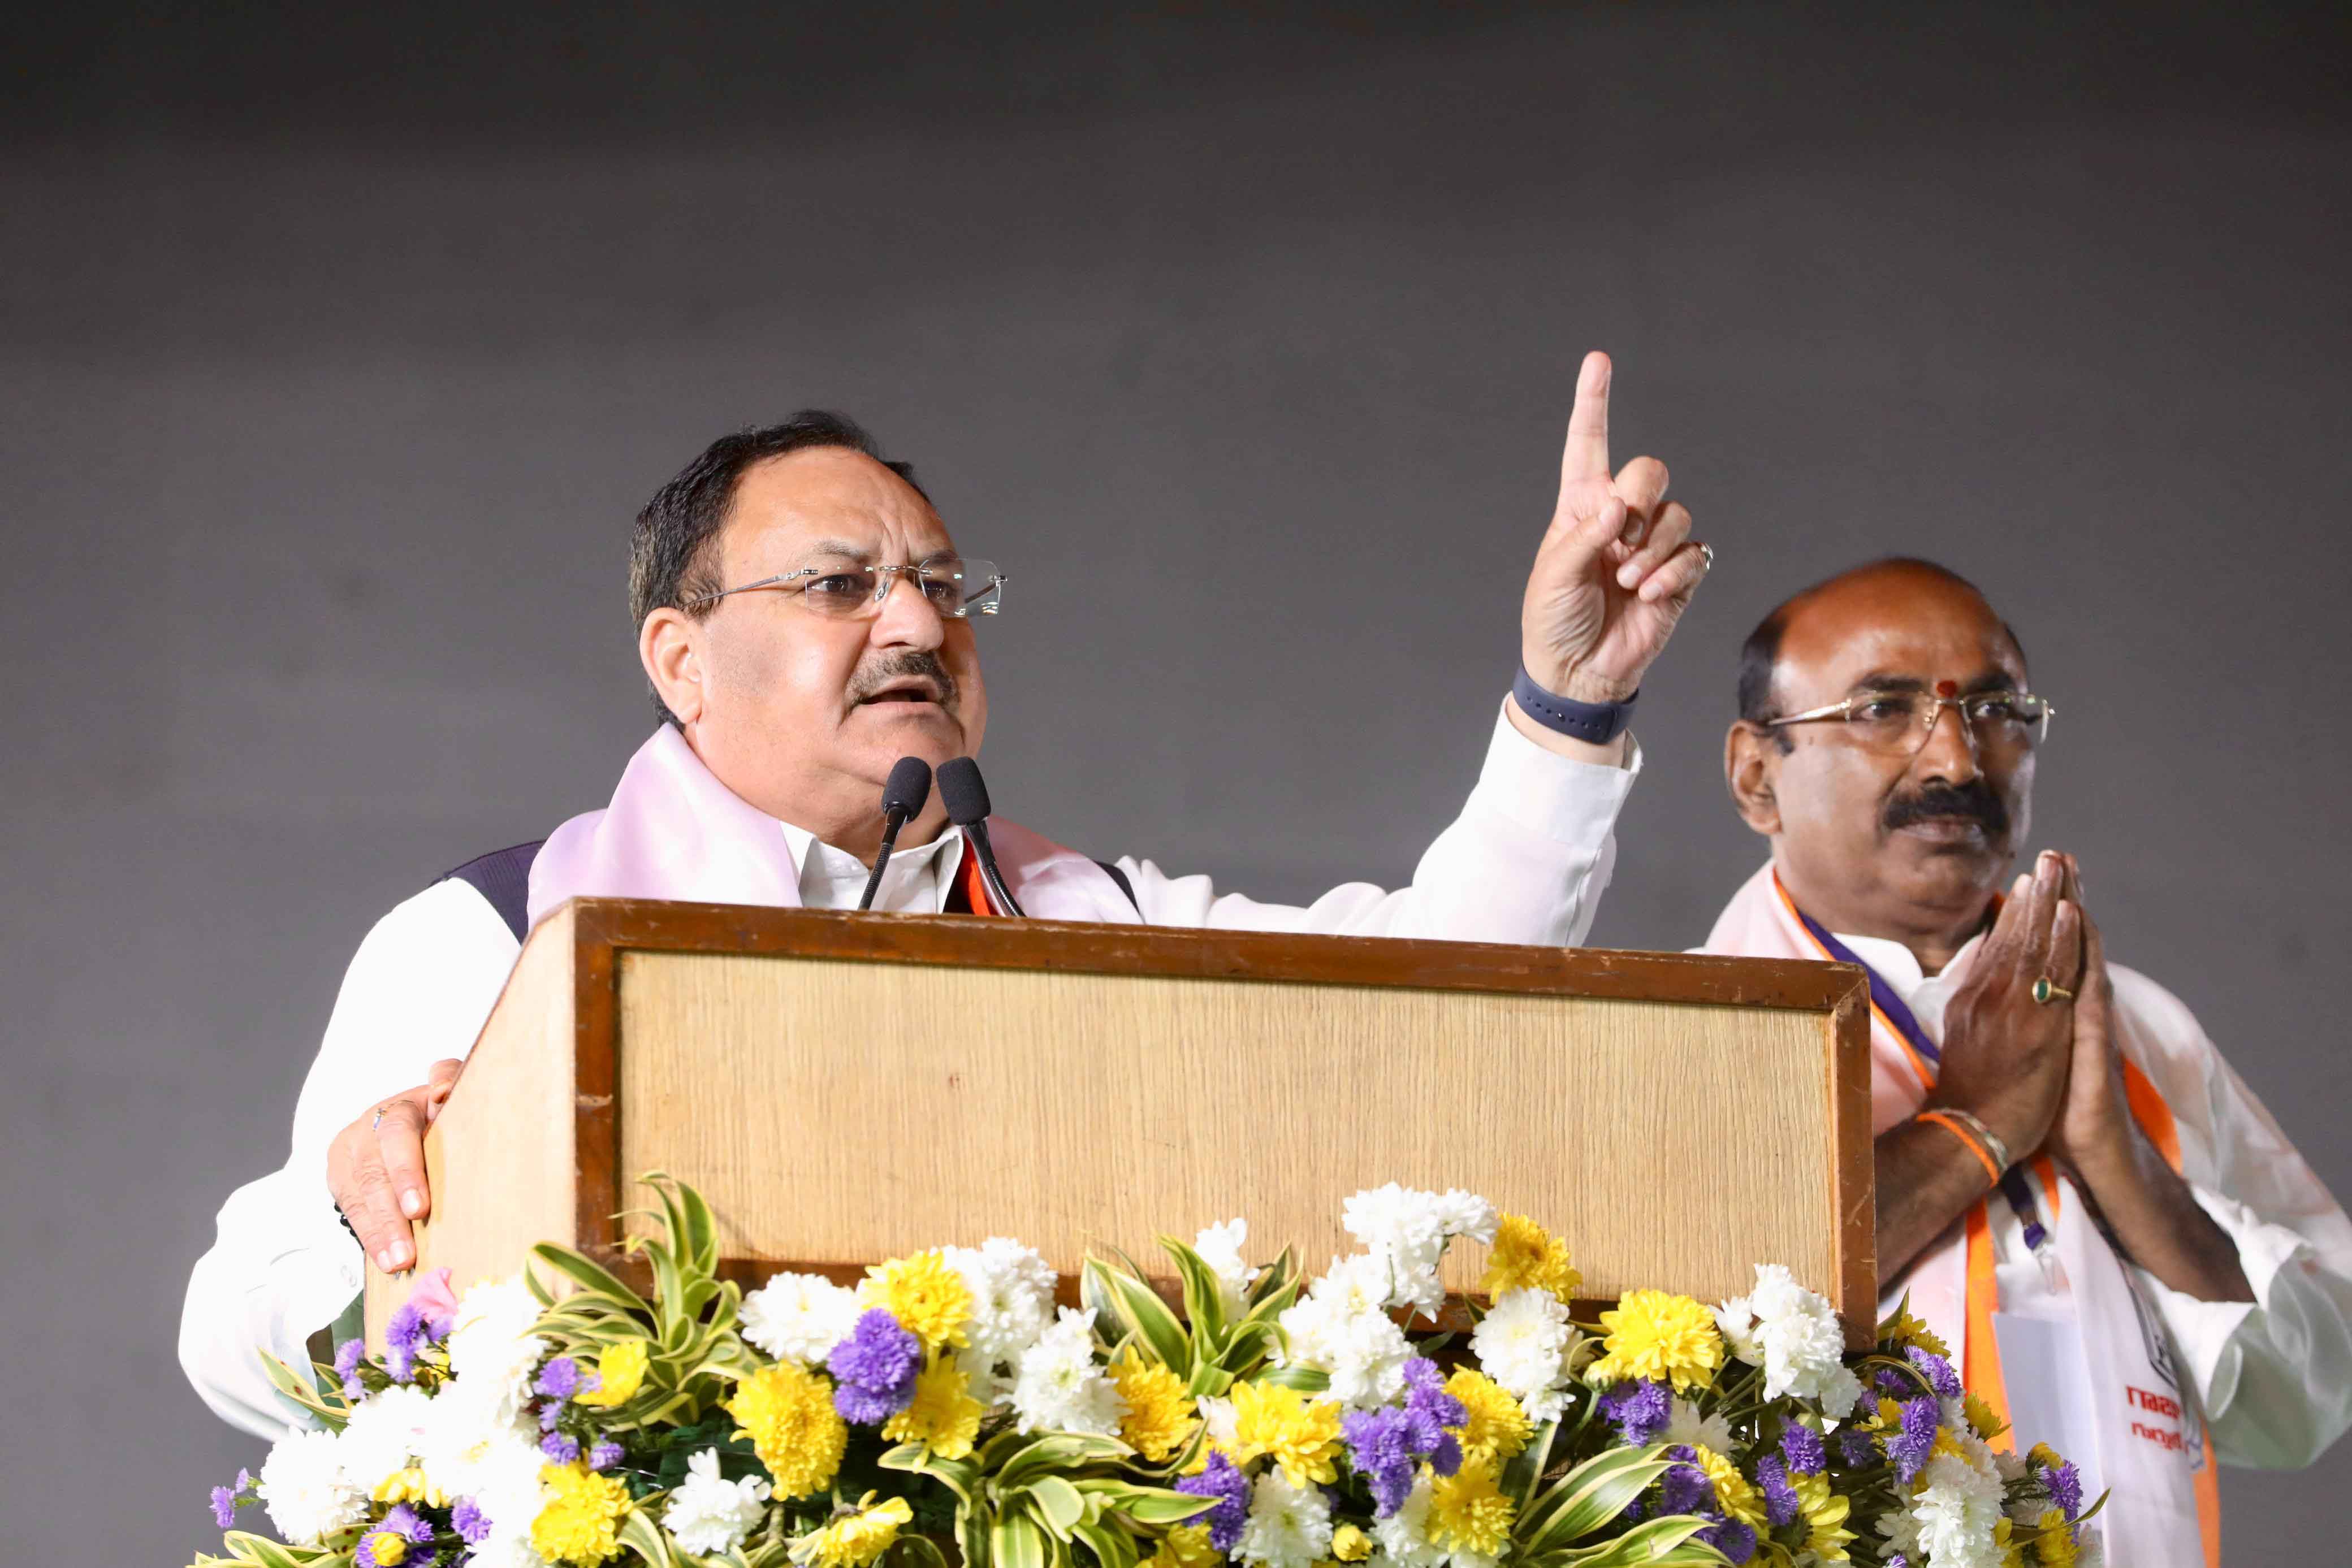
pixel 674 831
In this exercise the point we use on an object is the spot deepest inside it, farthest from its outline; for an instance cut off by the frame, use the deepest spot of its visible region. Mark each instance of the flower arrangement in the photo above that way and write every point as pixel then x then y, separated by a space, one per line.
pixel 946 1405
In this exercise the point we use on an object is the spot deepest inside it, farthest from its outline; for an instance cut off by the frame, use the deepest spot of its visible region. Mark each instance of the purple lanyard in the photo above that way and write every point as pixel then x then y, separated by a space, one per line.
pixel 1898 1013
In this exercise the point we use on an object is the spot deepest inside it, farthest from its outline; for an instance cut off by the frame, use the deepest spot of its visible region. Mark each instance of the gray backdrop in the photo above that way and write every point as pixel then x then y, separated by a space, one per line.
pixel 334 365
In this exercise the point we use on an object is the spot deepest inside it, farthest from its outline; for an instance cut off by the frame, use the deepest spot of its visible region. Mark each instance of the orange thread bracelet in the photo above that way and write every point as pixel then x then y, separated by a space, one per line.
pixel 1975 1146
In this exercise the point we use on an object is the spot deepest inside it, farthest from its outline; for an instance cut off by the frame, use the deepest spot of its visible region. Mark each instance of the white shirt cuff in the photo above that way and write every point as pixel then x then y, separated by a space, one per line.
pixel 2202 1329
pixel 1556 797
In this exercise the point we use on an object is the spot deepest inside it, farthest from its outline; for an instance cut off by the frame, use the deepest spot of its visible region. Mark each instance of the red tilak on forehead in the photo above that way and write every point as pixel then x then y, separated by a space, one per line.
pixel 1947 688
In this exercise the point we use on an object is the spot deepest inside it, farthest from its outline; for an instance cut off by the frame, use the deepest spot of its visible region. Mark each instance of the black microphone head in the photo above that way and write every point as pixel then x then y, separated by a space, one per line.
pixel 909 788
pixel 960 789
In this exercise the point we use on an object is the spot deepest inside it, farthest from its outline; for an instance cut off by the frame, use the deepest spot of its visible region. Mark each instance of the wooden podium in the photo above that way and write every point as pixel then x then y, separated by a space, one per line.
pixel 844 1088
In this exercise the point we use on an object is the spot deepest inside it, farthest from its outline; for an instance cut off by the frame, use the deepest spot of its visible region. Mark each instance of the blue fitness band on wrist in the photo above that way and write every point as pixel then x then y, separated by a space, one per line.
pixel 1596 723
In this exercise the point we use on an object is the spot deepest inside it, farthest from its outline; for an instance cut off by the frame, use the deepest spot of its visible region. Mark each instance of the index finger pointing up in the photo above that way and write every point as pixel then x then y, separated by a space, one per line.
pixel 1587 456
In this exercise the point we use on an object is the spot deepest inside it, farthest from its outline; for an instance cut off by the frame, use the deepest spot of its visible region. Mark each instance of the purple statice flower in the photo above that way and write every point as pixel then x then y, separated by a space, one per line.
pixel 1898 1561
pixel 1640 1411
pixel 549 1415
pixel 1802 1447
pixel 605 1455
pixel 559 1448
pixel 408 1333
pixel 1890 1381
pixel 2065 1483
pixel 873 1369
pixel 224 1507
pixel 1909 1451
pixel 1221 1479
pixel 1445 1459
pixel 1684 1488
pixel 1732 1539
pixel 404 1520
pixel 1380 1444
pixel 472 1525
pixel 1425 1394
pixel 347 1367
pixel 560 1378
pixel 1854 1446
pixel 1780 1505
pixel 1939 1373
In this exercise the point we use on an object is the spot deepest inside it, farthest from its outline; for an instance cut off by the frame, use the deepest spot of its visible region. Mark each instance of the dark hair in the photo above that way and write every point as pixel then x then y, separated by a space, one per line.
pixel 1761 654
pixel 670 558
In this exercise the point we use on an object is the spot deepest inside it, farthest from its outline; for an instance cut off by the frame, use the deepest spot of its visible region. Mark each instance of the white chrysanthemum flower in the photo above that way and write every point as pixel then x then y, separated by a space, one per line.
pixel 2012 1467
pixel 465 1428
pixel 508 1491
pixel 387 1431
pixel 1289 1526
pixel 1407 1231
pixel 1403 1537
pixel 1221 1421
pixel 1685 1425
pixel 1342 1328
pixel 709 1514
pixel 1012 1299
pixel 1220 1247
pixel 1523 1344
pixel 2088 1552
pixel 1957 1509
pixel 799 1317
pixel 1059 1388
pixel 305 1489
pixel 1793 1334
pixel 492 1345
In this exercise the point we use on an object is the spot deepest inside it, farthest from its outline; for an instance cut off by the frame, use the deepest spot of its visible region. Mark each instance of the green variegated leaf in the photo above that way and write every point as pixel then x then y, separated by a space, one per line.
pixel 1586 1498
pixel 1137 1311
pixel 912 1550
pixel 1014 1542
pixel 247 1547
pixel 1204 1305
pixel 640 1534
pixel 958 1476
pixel 304 1391
pixel 1156 1507
pixel 1305 1379
pixel 593 1277
pixel 1653 1544
pixel 1057 1452
pixel 1058 1503
pixel 1112 1547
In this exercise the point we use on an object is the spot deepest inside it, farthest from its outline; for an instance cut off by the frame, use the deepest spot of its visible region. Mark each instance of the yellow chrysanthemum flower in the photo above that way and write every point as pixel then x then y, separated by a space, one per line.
pixel 1302 1435
pixel 1495 1425
pixel 2055 1546
pixel 1528 1256
pixel 411 1485
pixel 943 1416
pixel 855 1539
pixel 1159 1418
pixel 1468 1511
pixel 620 1372
pixel 1905 1328
pixel 925 1294
pixel 579 1515
pixel 1824 1513
pixel 1351 1544
pixel 2045 1456
pixel 388 1547
pixel 1654 1335
pixel 1185 1546
pixel 1734 1493
pixel 787 1412
pixel 2004 1538
pixel 1889 1415
pixel 1980 1417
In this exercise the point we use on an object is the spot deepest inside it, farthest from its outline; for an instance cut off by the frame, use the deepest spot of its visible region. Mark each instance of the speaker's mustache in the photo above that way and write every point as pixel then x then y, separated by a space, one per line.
pixel 1973 801
pixel 918 664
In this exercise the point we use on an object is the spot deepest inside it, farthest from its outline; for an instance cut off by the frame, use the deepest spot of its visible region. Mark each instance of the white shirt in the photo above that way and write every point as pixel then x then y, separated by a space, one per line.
pixel 1526 861
pixel 2273 1376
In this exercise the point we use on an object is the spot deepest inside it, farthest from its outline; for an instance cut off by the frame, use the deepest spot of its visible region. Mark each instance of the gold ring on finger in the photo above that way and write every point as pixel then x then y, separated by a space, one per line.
pixel 2046 991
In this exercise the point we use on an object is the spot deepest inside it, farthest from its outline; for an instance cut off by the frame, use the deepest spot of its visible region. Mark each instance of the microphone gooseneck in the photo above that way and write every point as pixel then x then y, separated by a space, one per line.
pixel 966 797
pixel 904 795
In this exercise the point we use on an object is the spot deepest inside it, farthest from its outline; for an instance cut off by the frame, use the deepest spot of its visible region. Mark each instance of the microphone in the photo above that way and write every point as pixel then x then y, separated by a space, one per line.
pixel 967 803
pixel 904 795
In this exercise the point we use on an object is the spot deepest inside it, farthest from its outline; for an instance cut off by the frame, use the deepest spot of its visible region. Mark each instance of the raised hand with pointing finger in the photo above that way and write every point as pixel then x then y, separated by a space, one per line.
pixel 1615 571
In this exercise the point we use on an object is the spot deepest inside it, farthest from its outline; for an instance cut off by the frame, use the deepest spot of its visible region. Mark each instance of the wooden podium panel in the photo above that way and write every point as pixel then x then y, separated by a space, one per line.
pixel 844 1088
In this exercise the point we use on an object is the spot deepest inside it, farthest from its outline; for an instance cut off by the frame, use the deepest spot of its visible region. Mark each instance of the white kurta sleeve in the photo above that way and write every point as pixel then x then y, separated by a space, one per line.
pixel 2274 1376
pixel 1526 861
pixel 281 1265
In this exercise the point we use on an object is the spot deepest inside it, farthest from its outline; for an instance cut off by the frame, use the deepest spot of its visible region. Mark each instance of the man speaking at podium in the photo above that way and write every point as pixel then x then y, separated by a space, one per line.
pixel 2125 1255
pixel 806 623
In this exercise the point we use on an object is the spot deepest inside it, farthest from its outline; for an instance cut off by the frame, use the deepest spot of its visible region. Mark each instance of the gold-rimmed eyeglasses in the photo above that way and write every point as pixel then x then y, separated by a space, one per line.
pixel 956 586
pixel 1898 723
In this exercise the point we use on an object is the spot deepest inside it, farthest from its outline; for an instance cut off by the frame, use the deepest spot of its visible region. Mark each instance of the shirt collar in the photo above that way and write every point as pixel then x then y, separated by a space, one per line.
pixel 1894 963
pixel 905 862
